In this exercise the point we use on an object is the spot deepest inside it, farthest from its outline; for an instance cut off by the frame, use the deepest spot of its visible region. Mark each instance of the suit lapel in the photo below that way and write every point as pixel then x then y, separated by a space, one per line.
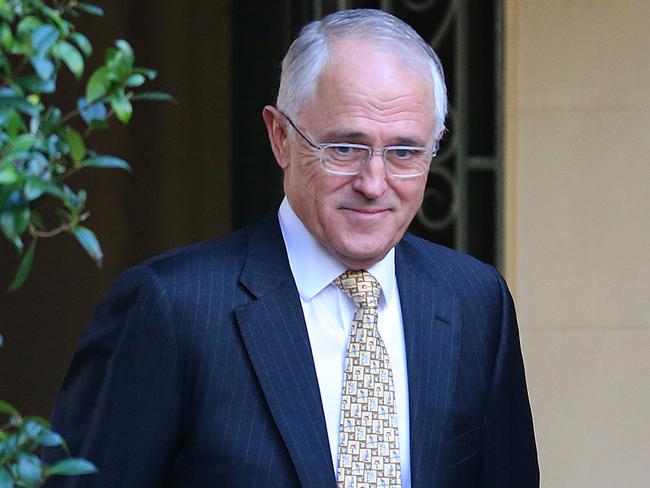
pixel 275 336
pixel 432 337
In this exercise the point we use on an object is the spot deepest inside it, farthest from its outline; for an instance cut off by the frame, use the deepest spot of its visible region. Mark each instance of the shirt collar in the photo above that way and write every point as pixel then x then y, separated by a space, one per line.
pixel 314 268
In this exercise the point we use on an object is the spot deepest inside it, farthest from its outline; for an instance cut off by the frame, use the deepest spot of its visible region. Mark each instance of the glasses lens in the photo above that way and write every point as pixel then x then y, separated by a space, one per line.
pixel 344 158
pixel 407 161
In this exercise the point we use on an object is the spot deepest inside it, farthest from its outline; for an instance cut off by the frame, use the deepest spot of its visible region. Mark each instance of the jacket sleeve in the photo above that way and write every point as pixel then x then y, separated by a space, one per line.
pixel 120 404
pixel 509 455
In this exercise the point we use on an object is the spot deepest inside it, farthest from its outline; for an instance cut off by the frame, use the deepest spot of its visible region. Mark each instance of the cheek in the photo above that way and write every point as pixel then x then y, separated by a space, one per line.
pixel 410 193
pixel 312 193
pixel 299 173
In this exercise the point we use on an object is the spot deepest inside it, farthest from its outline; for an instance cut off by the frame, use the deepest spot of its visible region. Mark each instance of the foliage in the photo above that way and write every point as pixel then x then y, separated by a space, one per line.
pixel 20 437
pixel 41 146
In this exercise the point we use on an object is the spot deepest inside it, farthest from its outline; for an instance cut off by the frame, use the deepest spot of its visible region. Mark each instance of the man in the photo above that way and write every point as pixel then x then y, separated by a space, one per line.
pixel 321 346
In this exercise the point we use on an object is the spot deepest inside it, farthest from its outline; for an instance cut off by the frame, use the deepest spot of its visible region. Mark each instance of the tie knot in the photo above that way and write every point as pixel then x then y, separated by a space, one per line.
pixel 361 286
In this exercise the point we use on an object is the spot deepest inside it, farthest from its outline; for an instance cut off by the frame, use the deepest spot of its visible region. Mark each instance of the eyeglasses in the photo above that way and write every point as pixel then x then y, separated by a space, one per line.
pixel 347 159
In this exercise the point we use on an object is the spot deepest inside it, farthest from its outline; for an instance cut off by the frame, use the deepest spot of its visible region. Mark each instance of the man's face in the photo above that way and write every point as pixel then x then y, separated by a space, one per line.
pixel 365 95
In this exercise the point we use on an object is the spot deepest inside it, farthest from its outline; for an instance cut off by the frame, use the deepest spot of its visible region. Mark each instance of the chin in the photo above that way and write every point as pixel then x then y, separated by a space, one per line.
pixel 363 258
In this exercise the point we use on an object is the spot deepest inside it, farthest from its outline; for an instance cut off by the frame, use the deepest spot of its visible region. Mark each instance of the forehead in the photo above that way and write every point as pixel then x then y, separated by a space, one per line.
pixel 367 86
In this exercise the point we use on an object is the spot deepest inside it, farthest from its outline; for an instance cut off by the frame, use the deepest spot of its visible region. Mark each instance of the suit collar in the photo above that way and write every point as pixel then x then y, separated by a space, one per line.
pixel 275 336
pixel 432 340
pixel 267 265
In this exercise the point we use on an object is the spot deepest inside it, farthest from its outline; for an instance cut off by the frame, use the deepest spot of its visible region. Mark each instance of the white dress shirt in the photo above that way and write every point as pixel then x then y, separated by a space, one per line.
pixel 329 313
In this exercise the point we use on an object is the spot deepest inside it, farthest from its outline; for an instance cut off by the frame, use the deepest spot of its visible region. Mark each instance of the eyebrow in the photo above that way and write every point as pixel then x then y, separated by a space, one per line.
pixel 361 138
pixel 343 135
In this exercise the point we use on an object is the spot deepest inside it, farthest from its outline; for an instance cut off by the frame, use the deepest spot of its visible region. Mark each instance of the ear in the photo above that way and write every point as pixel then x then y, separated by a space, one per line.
pixel 278 136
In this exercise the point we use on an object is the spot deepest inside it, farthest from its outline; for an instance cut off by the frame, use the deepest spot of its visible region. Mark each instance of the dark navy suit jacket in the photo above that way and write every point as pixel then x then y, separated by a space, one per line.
pixel 197 371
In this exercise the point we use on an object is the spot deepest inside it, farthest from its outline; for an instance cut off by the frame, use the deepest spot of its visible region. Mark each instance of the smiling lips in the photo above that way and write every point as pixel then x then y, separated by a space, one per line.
pixel 366 211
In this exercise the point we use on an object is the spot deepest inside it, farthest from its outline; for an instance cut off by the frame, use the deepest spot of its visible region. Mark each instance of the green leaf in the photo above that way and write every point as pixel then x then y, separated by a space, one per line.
pixel 34 188
pixel 71 57
pixel 14 222
pixel 83 43
pixel 90 9
pixel 28 24
pixel 126 50
pixel 72 467
pixel 55 16
pixel 118 65
pixel 24 267
pixel 135 80
pixel 37 165
pixel 82 196
pixel 32 428
pixel 106 162
pixel 6 37
pixel 56 192
pixel 13 199
pixel 29 469
pixel 18 103
pixel 77 146
pixel 89 242
pixel 98 85
pixel 23 143
pixel 16 124
pixel 122 107
pixel 8 175
pixel 157 96
pixel 43 38
pixel 8 409
pixel 149 73
pixel 6 481
pixel 48 438
pixel 22 220
pixel 95 111
pixel 8 225
pixel 44 67
pixel 51 120
pixel 34 84
pixel 6 12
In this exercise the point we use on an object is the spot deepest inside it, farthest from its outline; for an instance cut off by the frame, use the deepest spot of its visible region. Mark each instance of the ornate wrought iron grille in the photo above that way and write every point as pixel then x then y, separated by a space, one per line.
pixel 463 204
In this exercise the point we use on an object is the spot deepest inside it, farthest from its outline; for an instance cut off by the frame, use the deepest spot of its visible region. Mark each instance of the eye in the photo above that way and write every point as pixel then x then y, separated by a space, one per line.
pixel 403 153
pixel 344 152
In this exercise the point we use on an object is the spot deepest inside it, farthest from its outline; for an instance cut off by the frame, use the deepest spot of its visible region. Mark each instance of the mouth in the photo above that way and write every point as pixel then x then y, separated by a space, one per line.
pixel 366 212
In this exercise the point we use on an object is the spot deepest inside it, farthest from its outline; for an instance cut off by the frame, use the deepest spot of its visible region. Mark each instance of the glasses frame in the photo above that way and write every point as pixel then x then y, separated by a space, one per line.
pixel 371 151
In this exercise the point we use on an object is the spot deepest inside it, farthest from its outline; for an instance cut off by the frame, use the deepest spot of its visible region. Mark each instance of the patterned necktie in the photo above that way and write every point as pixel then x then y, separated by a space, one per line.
pixel 368 453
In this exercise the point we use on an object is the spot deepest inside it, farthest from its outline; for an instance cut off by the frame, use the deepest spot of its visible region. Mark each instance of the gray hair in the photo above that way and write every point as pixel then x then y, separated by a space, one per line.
pixel 308 53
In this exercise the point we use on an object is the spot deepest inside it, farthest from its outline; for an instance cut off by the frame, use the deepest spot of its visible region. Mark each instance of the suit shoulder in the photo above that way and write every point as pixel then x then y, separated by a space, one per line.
pixel 449 265
pixel 225 247
pixel 436 252
pixel 191 261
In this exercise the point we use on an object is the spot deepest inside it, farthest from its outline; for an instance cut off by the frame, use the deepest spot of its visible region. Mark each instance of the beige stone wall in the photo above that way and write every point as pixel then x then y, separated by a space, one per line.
pixel 578 232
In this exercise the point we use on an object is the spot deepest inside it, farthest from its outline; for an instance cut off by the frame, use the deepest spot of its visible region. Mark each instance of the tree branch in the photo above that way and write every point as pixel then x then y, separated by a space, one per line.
pixel 66 226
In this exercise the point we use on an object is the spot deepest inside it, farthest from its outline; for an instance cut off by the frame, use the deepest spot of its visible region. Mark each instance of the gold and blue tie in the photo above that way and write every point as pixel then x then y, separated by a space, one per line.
pixel 368 454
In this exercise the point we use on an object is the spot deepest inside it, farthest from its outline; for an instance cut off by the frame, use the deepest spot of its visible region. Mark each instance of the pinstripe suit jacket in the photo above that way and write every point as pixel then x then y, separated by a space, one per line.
pixel 196 370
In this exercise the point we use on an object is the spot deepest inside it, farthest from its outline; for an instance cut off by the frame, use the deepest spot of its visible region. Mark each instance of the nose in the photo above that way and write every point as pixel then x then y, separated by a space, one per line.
pixel 371 182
